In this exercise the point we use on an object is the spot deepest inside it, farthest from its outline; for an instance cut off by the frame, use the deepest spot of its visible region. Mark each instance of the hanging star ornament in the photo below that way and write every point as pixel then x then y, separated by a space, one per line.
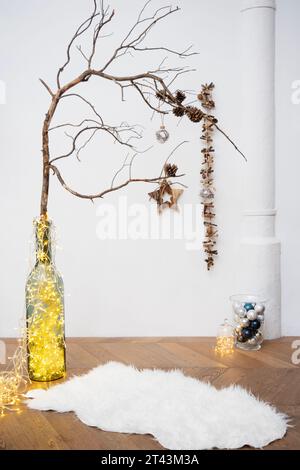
pixel 166 196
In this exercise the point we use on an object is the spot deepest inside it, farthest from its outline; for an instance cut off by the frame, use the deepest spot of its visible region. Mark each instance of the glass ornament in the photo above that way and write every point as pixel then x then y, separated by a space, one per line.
pixel 45 310
pixel 206 193
pixel 162 135
pixel 259 308
pixel 248 331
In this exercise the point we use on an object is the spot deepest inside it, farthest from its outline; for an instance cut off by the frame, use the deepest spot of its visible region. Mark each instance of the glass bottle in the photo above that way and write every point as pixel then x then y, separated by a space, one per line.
pixel 45 310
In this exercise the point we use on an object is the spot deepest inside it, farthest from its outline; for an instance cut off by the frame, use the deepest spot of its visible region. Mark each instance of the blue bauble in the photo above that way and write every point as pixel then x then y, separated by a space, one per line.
pixel 254 324
pixel 248 306
pixel 247 333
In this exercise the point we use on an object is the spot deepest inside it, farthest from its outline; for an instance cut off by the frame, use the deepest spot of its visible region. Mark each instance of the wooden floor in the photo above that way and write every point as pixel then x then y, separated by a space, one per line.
pixel 269 373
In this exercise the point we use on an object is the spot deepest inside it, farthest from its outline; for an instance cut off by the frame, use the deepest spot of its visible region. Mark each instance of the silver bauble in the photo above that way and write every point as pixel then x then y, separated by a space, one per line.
pixel 259 308
pixel 162 135
pixel 236 318
pixel 241 312
pixel 244 322
pixel 261 318
pixel 236 306
pixel 206 193
pixel 253 341
pixel 259 337
pixel 251 314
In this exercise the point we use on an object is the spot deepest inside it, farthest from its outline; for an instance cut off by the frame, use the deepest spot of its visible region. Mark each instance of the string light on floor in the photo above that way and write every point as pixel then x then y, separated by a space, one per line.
pixel 14 380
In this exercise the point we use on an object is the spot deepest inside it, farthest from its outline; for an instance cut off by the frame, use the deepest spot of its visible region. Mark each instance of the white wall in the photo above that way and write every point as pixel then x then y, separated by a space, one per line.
pixel 288 166
pixel 142 287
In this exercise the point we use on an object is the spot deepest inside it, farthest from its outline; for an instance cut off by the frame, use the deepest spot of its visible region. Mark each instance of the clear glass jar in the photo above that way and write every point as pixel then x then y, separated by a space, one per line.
pixel 225 339
pixel 249 317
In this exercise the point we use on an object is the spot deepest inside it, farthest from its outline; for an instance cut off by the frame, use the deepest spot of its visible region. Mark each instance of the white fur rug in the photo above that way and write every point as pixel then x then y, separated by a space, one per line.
pixel 181 412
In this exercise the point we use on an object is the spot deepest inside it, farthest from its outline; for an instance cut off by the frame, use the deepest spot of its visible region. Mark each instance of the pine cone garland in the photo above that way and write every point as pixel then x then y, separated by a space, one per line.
pixel 205 96
pixel 193 113
pixel 212 119
pixel 170 170
pixel 180 96
pixel 178 111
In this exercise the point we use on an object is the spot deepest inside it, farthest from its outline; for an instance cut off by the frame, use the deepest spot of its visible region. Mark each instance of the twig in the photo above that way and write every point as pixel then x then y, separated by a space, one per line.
pixel 170 155
pixel 106 191
pixel 46 86
pixel 231 141
pixel 85 25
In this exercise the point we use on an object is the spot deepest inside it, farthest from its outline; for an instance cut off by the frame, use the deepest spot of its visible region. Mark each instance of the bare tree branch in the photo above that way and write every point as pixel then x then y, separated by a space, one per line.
pixel 133 43
pixel 74 125
pixel 148 84
pixel 106 191
pixel 113 131
pixel 86 101
pixel 80 30
pixel 98 29
pixel 85 143
pixel 79 48
pixel 182 54
pixel 124 164
pixel 47 87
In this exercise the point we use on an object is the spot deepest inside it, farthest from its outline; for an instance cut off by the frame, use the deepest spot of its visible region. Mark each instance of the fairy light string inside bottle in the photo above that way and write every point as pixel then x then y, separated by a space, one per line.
pixel 45 310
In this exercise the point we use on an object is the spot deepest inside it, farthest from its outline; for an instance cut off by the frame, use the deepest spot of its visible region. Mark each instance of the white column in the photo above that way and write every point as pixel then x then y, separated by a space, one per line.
pixel 259 261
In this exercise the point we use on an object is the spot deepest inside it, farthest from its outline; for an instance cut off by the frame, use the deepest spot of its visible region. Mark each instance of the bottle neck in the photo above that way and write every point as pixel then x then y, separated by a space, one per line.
pixel 43 247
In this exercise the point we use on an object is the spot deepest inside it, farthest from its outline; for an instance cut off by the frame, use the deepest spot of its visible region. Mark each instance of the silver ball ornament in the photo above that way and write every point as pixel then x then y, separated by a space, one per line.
pixel 162 135
pixel 241 312
pixel 206 193
pixel 244 322
pixel 259 337
pixel 261 318
pixel 251 315
pixel 253 341
pixel 259 308
pixel 236 306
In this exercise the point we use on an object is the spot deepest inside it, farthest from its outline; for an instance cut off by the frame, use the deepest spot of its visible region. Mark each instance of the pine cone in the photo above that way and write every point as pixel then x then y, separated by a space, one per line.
pixel 170 170
pixel 178 111
pixel 193 113
pixel 161 94
pixel 180 96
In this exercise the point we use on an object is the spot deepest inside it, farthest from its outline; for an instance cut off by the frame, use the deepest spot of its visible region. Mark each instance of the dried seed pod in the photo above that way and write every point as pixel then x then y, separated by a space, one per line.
pixel 180 96
pixel 170 170
pixel 178 111
pixel 161 94
pixel 193 113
